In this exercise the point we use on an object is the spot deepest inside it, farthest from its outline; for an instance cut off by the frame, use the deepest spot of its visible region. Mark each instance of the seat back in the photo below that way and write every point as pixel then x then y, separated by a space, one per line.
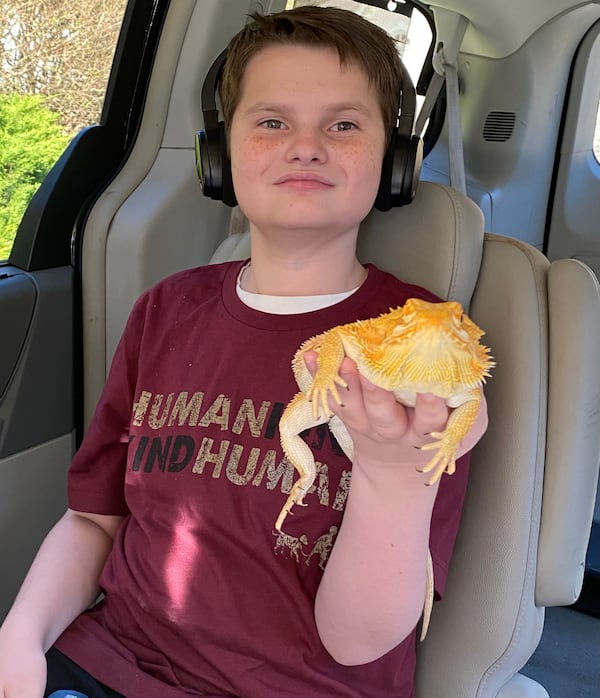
pixel 530 499
pixel 528 510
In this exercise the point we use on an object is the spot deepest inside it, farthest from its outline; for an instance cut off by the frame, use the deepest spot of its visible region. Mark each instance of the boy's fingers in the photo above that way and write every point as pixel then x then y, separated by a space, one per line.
pixel 384 412
pixel 352 394
pixel 363 402
pixel 310 359
pixel 431 414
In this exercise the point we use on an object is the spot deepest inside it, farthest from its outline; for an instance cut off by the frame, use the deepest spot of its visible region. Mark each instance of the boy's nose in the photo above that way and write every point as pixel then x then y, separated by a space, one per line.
pixel 307 145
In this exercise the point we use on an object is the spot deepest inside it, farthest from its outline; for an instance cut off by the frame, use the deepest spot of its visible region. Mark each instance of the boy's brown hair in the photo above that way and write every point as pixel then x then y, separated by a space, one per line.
pixel 355 39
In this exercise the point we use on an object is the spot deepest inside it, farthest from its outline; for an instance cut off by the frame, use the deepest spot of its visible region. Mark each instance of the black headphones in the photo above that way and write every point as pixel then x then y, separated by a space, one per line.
pixel 401 164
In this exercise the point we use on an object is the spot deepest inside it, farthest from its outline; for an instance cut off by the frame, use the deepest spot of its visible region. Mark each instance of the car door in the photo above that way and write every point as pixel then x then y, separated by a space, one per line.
pixel 40 326
pixel 573 229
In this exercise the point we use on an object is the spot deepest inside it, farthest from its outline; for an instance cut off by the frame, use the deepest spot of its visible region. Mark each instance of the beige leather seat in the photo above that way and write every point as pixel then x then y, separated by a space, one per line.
pixel 528 511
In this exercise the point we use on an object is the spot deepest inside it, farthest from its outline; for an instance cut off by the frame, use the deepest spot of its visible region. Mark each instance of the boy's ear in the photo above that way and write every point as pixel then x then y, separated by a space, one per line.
pixel 400 171
pixel 212 160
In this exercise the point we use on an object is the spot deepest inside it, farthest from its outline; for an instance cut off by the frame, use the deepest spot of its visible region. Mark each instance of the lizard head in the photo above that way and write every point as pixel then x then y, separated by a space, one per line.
pixel 447 318
pixel 431 344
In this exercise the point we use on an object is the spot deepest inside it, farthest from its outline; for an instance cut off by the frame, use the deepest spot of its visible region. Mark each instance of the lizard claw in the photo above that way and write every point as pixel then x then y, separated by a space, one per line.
pixel 443 461
pixel 319 391
pixel 296 496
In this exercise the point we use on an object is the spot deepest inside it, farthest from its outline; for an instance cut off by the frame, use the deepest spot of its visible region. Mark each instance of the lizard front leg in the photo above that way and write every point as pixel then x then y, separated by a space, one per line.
pixel 327 378
pixel 459 423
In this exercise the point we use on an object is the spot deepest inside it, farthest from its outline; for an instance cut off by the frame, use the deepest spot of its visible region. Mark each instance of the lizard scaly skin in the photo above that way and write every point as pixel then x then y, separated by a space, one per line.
pixel 420 347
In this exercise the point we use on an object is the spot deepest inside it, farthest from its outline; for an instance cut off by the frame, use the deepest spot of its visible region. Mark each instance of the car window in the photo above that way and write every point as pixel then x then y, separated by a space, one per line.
pixel 409 26
pixel 55 61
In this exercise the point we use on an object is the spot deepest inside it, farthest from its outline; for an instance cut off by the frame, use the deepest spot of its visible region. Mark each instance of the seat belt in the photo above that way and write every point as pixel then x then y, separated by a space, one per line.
pixel 445 61
pixel 456 156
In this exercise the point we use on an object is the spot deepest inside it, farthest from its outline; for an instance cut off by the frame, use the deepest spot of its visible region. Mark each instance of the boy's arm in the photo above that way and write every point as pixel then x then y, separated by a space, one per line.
pixel 372 592
pixel 62 582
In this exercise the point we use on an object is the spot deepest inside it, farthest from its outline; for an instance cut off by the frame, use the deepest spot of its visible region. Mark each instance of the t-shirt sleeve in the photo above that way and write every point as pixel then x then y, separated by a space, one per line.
pixel 445 521
pixel 97 474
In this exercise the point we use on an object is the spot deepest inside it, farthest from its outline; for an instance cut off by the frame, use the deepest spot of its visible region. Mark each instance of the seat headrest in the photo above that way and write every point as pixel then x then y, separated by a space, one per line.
pixel 435 242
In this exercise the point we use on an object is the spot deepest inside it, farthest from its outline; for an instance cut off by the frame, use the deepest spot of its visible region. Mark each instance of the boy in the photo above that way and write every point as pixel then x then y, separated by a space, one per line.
pixel 175 490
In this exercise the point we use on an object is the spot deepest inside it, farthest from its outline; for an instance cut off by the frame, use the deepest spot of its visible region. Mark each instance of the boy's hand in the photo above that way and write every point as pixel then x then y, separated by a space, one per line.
pixel 22 669
pixel 386 433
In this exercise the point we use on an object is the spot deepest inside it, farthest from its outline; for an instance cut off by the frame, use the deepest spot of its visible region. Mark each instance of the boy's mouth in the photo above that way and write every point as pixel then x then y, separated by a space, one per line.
pixel 304 180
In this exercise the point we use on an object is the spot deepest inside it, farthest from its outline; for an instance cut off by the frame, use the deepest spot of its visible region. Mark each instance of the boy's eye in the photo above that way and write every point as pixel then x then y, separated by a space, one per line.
pixel 272 123
pixel 344 126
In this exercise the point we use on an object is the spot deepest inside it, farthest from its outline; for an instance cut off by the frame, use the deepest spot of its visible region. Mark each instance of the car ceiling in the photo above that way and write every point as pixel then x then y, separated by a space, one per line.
pixel 497 29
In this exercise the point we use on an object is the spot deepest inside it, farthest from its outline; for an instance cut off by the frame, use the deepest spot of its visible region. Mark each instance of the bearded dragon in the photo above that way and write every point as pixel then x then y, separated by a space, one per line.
pixel 420 347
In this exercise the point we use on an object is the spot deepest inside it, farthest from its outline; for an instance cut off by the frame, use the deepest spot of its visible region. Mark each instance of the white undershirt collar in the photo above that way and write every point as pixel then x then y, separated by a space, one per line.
pixel 288 305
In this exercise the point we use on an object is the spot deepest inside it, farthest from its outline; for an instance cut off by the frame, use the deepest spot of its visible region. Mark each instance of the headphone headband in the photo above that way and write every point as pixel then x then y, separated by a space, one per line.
pixel 407 107
pixel 211 81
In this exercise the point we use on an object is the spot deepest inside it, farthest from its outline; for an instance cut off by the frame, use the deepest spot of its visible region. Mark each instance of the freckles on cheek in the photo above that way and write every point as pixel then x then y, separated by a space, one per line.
pixel 259 145
pixel 253 153
pixel 364 157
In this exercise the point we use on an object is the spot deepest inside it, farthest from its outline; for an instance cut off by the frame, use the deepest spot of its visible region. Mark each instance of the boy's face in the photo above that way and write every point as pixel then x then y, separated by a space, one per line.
pixel 307 141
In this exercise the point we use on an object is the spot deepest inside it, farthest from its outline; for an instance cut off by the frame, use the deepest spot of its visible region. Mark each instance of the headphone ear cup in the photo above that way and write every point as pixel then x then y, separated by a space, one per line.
pixel 209 170
pixel 227 192
pixel 407 170
pixel 213 165
pixel 400 171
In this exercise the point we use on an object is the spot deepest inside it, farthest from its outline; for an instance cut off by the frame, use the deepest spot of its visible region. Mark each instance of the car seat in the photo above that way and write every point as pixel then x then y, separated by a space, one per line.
pixel 528 511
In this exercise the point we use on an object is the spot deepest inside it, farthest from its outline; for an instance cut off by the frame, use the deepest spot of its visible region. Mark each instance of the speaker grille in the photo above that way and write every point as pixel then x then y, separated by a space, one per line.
pixel 499 126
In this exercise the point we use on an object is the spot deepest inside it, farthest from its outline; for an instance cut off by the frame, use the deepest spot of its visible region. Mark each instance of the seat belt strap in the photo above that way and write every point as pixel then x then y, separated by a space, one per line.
pixel 433 90
pixel 445 62
pixel 456 158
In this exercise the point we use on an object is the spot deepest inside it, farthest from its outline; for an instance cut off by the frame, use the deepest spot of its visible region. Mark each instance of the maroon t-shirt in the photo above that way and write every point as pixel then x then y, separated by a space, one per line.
pixel 202 596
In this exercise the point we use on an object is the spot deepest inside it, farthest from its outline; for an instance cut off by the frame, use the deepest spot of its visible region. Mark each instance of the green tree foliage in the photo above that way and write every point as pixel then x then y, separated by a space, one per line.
pixel 31 140
pixel 59 53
